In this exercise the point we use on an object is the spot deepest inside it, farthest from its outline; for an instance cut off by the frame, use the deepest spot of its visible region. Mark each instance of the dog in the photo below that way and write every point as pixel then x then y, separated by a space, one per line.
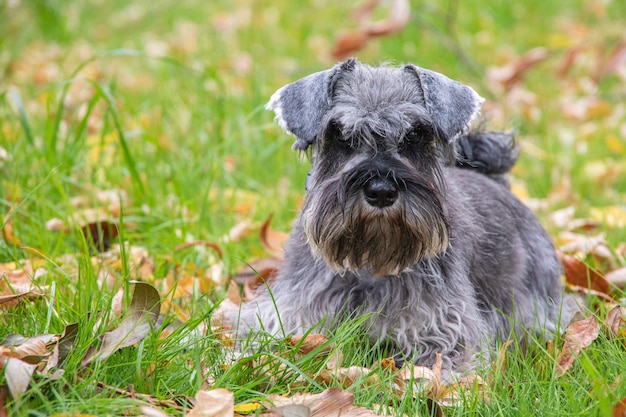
pixel 407 219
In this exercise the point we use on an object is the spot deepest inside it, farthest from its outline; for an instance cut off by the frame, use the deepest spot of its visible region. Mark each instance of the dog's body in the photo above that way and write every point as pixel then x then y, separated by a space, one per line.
pixel 444 259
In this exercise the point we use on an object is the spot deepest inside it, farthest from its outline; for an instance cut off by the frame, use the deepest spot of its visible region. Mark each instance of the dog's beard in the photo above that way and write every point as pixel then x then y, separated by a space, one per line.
pixel 349 234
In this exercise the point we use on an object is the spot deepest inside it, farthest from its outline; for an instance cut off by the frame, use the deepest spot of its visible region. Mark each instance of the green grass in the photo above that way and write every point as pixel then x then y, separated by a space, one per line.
pixel 160 99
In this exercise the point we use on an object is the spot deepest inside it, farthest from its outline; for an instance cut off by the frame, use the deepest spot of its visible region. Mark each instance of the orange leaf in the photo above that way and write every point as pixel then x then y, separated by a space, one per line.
pixel 579 274
pixel 7 230
pixel 620 408
pixel 272 240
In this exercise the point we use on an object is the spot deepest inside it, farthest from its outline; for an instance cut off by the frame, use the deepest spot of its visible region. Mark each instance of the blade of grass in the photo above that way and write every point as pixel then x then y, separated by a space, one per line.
pixel 17 100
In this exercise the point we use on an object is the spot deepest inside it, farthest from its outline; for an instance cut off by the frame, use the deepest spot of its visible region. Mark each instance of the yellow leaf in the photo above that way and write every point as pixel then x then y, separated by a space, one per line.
pixel 247 408
pixel 612 216
pixel 615 144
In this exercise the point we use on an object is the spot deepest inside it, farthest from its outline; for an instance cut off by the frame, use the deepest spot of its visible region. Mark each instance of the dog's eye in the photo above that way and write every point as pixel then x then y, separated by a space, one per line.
pixel 416 134
pixel 333 132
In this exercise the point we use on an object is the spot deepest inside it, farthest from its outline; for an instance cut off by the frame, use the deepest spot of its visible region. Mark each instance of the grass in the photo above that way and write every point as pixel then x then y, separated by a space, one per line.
pixel 164 101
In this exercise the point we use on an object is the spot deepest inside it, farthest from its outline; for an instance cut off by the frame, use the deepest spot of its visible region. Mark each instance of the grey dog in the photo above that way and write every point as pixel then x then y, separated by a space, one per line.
pixel 403 220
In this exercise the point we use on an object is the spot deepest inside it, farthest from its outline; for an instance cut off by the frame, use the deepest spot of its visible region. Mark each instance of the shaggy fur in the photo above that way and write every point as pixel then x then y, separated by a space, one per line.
pixel 403 221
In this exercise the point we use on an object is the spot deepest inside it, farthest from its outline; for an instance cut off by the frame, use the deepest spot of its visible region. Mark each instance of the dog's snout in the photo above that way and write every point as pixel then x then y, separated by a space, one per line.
pixel 380 192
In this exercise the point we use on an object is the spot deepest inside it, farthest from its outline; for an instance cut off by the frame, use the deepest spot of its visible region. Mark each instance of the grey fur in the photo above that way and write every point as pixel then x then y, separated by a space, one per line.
pixel 443 258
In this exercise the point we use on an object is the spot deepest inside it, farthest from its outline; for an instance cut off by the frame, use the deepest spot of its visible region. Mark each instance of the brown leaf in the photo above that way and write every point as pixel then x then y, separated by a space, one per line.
pixel 619 410
pixel 578 336
pixel 100 234
pixel 257 274
pixel 347 377
pixel 141 316
pixel 3 397
pixel 309 343
pixel 421 379
pixel 580 274
pixel 331 403
pixel 13 300
pixel 211 245
pixel 514 72
pixel 615 319
pixel 272 240
pixel 350 41
pixel 215 403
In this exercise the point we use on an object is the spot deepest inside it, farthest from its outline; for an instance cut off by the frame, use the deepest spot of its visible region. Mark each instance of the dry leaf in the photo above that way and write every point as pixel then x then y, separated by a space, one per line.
pixel 149 411
pixel 272 240
pixel 141 317
pixel 211 245
pixel 307 344
pixel 507 76
pixel 578 336
pixel 18 374
pixel 612 216
pixel 331 403
pixel 619 410
pixel 397 19
pixel 293 410
pixel 215 403
pixel 577 273
pixel 615 319
pixel 257 274
pixel 421 379
pixel 346 377
pixel 7 230
pixel 617 277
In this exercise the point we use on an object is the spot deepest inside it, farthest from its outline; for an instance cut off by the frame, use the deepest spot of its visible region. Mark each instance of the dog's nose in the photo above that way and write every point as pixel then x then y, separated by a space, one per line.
pixel 380 192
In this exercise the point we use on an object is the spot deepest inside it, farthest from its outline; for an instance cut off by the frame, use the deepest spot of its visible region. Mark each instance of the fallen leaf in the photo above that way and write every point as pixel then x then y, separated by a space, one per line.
pixel 507 76
pixel 309 343
pixel 615 319
pixel 141 317
pixel 149 411
pixel 330 403
pixel 580 274
pixel 7 230
pixel 18 374
pixel 211 245
pixel 3 397
pixel 578 336
pixel 351 41
pixel 421 379
pixel 619 410
pixel 256 274
pixel 272 240
pixel 12 300
pixel 612 216
pixel 100 235
pixel 215 403
pixel 293 410
pixel 346 377
pixel 247 408
pixel 617 277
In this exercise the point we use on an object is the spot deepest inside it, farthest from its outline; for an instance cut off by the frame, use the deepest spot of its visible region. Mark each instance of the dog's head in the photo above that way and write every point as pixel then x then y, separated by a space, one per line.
pixel 379 137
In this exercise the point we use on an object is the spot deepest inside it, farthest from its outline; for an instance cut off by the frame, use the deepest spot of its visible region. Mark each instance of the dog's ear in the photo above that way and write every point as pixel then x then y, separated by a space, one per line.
pixel 451 105
pixel 300 107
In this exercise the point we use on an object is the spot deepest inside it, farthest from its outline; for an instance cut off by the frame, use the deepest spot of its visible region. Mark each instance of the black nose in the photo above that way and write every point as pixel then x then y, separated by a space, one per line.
pixel 380 192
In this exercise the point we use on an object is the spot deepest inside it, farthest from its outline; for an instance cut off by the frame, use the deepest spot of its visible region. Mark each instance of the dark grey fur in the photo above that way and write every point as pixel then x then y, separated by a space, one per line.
pixel 444 258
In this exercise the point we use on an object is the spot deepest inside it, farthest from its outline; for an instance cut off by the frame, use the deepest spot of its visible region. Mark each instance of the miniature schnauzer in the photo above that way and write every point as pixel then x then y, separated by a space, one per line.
pixel 406 219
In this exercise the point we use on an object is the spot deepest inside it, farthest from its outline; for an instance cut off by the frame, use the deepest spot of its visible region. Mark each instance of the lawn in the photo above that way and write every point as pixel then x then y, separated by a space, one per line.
pixel 134 146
